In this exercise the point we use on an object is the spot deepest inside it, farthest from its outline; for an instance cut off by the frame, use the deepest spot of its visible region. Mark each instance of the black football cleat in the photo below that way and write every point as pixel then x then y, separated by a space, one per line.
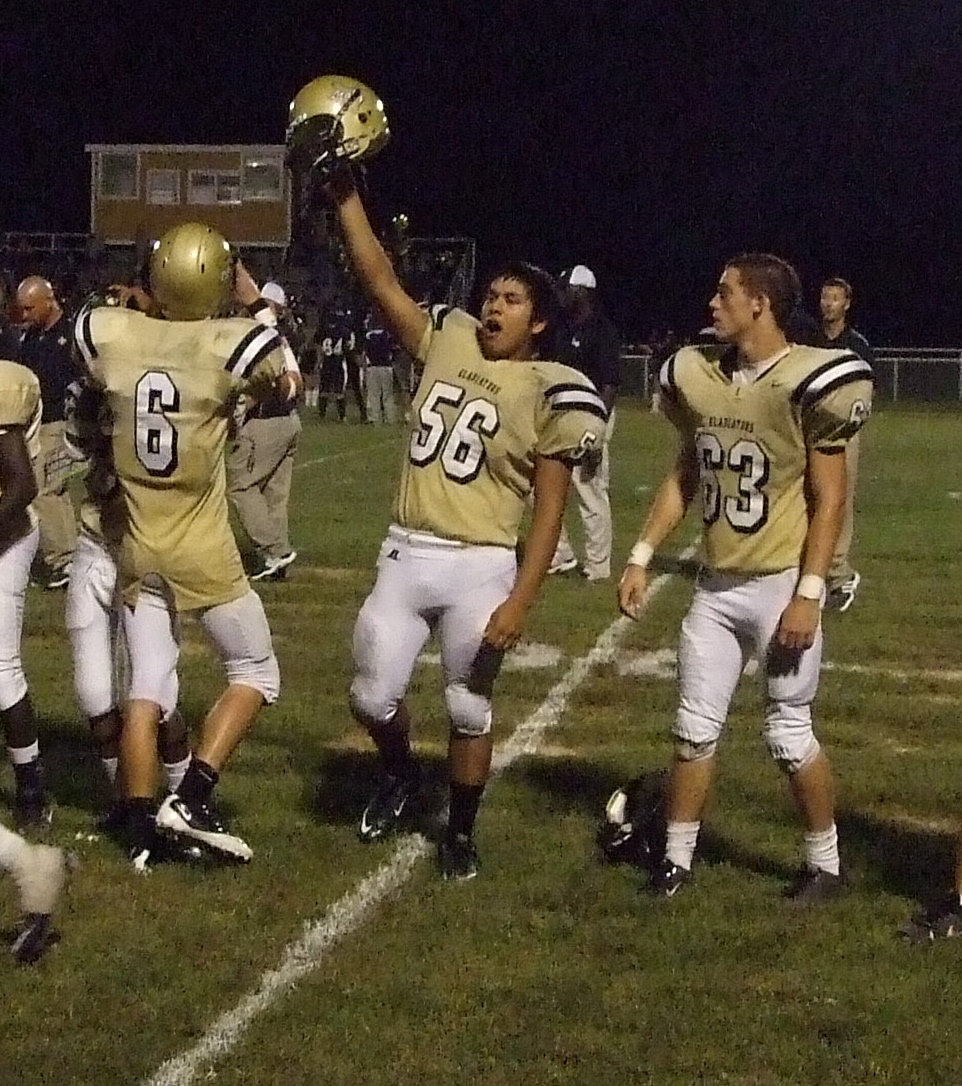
pixel 815 886
pixel 383 813
pixel 201 823
pixel 32 810
pixel 668 878
pixel 458 857
pixel 33 937
pixel 943 920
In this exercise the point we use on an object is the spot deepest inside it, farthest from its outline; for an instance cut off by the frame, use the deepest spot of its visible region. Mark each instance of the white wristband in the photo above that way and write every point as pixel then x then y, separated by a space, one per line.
pixel 641 554
pixel 810 586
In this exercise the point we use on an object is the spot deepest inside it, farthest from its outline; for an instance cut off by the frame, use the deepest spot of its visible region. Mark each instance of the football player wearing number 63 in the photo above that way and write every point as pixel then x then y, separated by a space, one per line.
pixel 169 382
pixel 763 425
pixel 488 425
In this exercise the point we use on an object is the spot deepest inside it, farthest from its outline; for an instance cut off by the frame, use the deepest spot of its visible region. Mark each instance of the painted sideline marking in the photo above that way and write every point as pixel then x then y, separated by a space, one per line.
pixel 341 455
pixel 350 911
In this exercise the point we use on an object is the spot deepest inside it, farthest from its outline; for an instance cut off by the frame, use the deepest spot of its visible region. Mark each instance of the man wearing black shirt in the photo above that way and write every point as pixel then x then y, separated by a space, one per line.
pixel 45 349
pixel 589 343
pixel 837 334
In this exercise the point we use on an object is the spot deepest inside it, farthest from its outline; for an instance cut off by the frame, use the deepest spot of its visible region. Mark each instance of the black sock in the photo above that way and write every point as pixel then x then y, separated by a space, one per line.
pixel 198 782
pixel 394 747
pixel 465 800
pixel 141 828
pixel 29 776
pixel 19 723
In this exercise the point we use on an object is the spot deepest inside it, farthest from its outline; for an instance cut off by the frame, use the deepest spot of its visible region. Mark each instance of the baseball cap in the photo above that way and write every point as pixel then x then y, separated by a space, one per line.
pixel 274 292
pixel 580 276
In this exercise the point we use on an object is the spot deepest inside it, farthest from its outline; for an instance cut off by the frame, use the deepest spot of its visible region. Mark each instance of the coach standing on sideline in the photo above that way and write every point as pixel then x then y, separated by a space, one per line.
pixel 260 460
pixel 45 349
pixel 837 334
pixel 589 343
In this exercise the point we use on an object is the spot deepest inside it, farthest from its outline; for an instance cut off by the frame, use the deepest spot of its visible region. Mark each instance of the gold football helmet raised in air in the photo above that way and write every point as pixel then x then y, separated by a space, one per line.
pixel 334 117
pixel 191 272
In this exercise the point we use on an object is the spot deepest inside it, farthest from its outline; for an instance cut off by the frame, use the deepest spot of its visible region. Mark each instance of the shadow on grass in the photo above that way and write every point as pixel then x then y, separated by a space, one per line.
pixel 346 780
pixel 883 856
pixel 74 774
pixel 894 858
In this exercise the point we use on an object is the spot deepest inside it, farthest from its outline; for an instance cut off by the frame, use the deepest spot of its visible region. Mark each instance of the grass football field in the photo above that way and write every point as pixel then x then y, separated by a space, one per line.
pixel 326 961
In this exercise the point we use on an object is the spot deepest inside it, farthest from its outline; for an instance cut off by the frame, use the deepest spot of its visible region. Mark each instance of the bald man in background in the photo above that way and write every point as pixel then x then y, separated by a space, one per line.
pixel 45 348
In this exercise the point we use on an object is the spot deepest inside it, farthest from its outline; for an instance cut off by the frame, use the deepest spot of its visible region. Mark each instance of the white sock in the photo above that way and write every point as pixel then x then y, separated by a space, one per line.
pixel 13 848
pixel 821 849
pixel 682 838
pixel 110 768
pixel 175 773
pixel 24 755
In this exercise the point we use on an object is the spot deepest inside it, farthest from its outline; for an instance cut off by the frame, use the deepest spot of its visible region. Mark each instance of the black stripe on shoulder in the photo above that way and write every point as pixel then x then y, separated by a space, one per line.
pixel 270 344
pixel 575 396
pixel 819 373
pixel 238 351
pixel 84 334
pixel 666 378
pixel 588 406
pixel 439 314
pixel 565 386
pixel 839 382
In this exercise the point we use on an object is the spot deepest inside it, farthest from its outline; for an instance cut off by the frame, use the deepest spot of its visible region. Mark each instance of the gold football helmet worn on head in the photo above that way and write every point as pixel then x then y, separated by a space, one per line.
pixel 191 272
pixel 335 117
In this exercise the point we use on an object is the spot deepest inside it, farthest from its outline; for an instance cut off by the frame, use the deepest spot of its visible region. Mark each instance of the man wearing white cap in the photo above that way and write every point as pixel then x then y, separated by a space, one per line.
pixel 589 343
pixel 260 460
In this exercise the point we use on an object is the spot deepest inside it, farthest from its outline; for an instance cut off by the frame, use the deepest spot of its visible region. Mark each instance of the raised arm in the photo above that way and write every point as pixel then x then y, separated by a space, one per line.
pixel 405 319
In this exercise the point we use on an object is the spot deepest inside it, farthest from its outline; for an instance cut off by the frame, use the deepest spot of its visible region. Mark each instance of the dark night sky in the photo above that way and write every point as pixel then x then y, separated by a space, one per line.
pixel 647 139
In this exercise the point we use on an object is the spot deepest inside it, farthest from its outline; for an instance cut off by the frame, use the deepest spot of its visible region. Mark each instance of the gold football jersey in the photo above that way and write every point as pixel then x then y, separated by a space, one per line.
pixel 752 443
pixel 20 408
pixel 477 427
pixel 170 387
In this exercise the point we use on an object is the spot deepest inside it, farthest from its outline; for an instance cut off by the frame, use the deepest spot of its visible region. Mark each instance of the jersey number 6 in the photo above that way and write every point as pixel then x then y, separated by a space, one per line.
pixel 156 437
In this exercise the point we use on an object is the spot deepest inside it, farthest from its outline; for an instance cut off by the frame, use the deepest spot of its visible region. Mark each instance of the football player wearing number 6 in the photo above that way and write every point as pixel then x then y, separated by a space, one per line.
pixel 763 425
pixel 169 383
pixel 487 426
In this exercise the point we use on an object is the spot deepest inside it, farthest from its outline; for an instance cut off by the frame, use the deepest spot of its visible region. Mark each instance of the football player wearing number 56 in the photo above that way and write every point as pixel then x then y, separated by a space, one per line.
pixel 169 380
pixel 488 424
pixel 763 425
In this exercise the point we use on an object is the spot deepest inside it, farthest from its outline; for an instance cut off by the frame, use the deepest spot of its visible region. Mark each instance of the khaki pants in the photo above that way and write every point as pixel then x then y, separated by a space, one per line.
pixel 591 489
pixel 260 466
pixel 841 569
pixel 379 385
pixel 54 509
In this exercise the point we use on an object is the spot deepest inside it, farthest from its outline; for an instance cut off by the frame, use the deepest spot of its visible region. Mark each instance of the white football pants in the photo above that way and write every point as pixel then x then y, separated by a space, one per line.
pixel 730 619
pixel 238 630
pixel 425 583
pixel 14 577
pixel 93 625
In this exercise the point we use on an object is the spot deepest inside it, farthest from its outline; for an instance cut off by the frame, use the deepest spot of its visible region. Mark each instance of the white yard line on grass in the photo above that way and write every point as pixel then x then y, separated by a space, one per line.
pixel 341 455
pixel 350 911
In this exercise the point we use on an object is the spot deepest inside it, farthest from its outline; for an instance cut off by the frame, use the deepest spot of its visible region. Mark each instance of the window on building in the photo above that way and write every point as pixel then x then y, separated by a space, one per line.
pixel 214 187
pixel 163 186
pixel 229 188
pixel 118 175
pixel 263 178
